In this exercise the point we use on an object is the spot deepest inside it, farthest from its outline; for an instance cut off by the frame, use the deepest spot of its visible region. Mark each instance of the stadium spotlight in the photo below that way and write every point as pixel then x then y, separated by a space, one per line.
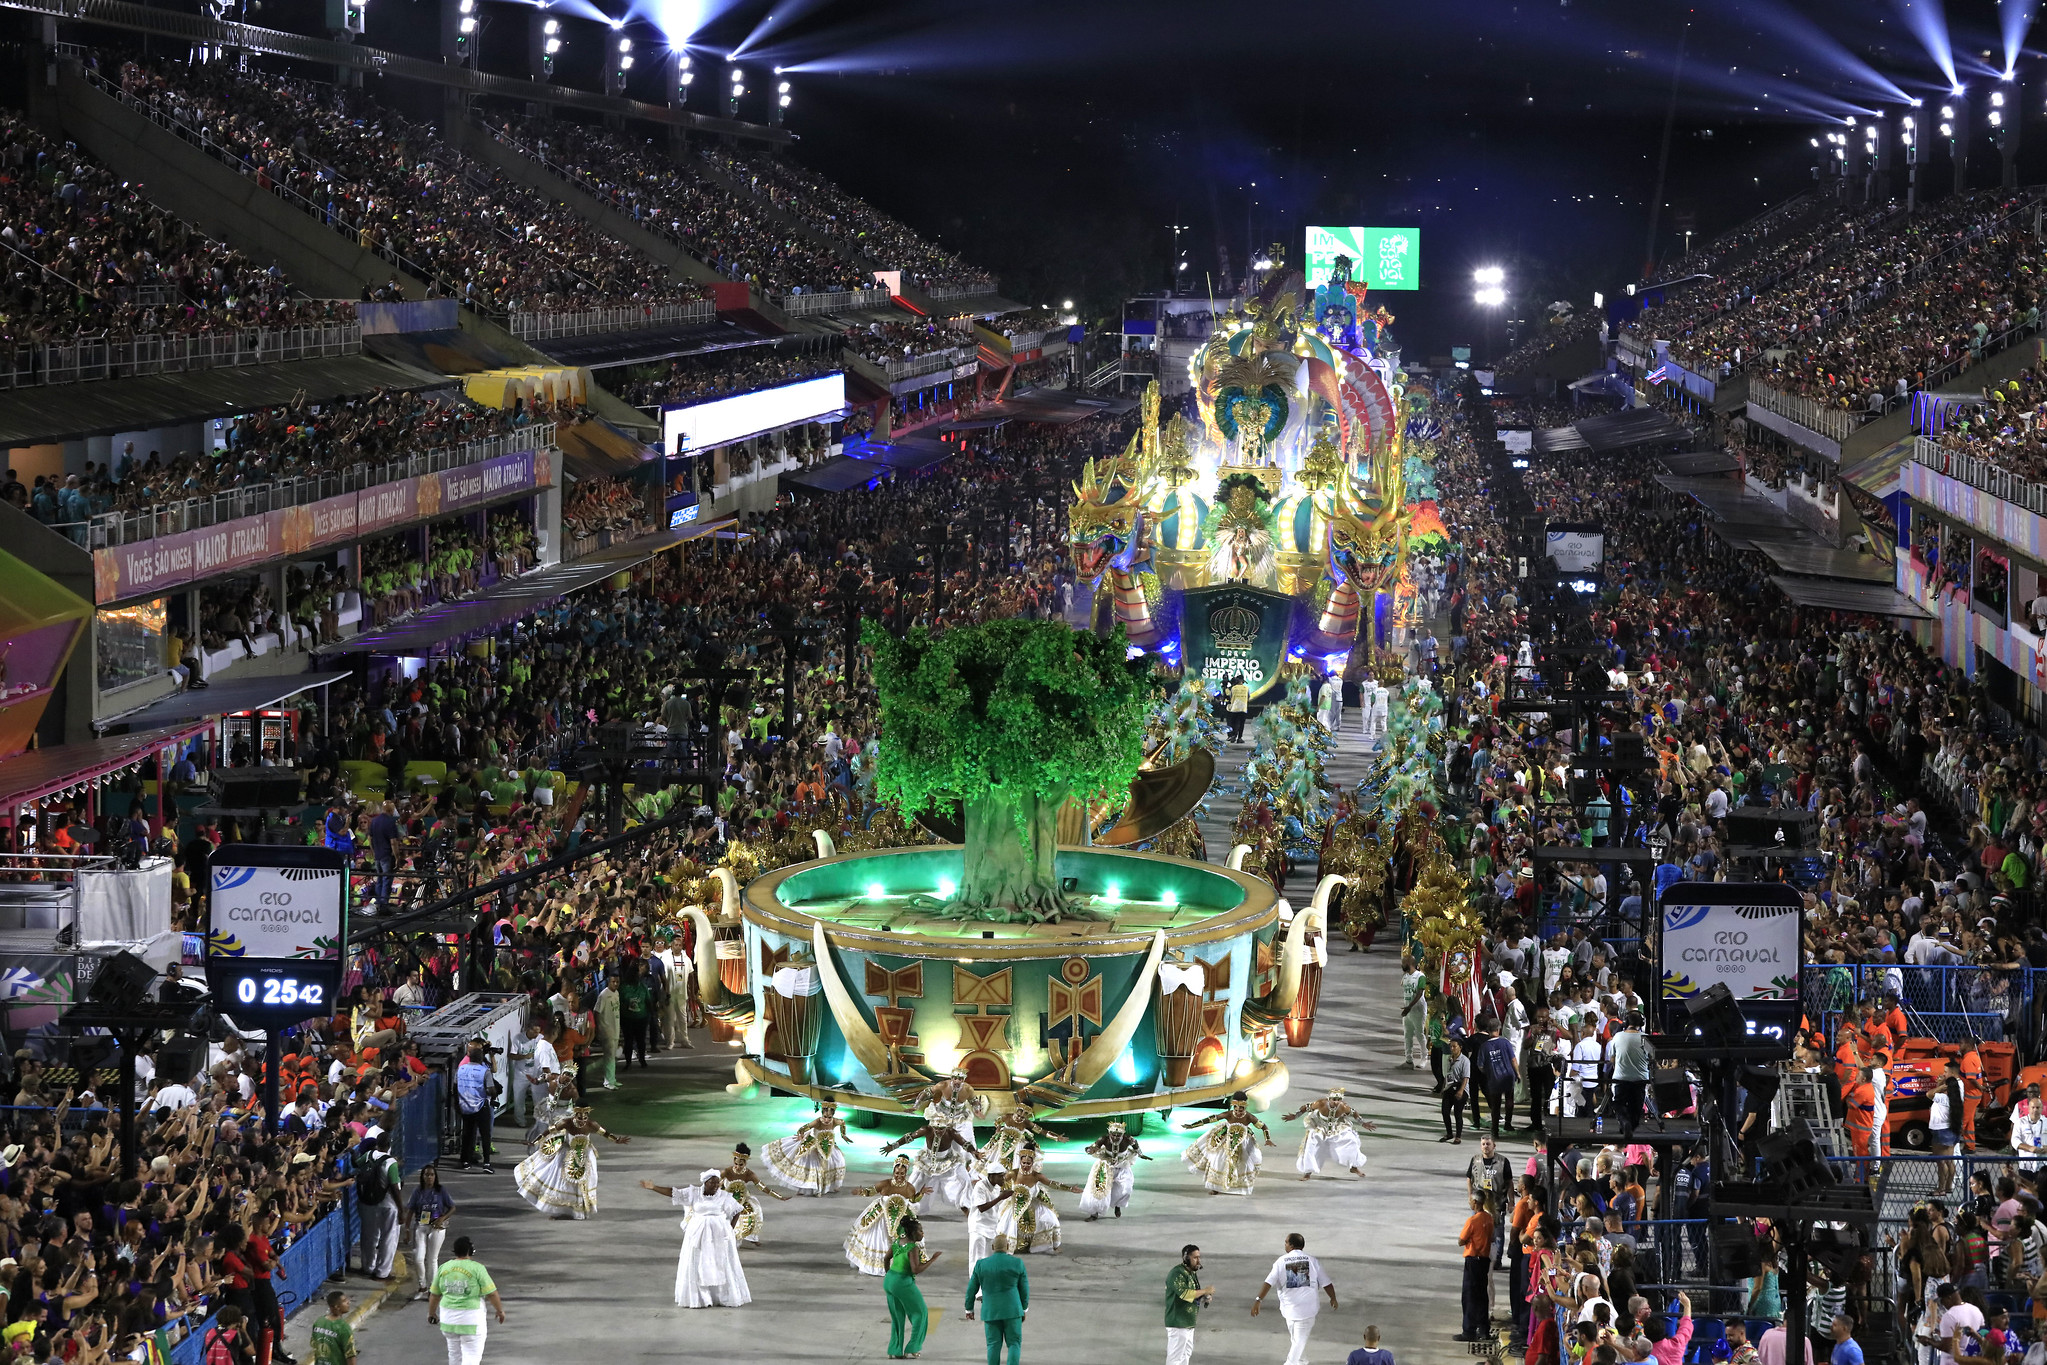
pixel 1947 130
pixel 1947 111
pixel 780 108
pixel 1997 99
pixel 1489 274
pixel 738 89
pixel 1492 296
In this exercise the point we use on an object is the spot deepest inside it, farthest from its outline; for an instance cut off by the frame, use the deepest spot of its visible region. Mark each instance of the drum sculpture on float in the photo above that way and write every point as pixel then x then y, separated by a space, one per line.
pixel 1070 981
pixel 1285 497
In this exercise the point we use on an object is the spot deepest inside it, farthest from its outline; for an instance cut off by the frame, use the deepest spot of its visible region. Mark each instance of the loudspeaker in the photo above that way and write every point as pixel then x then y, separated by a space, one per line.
pixel 179 1060
pixel 1670 1089
pixel 121 983
pixel 248 788
pixel 1759 826
pixel 1734 1252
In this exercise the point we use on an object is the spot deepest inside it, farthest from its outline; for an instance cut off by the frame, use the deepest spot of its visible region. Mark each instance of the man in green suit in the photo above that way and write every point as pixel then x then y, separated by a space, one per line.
pixel 1005 1289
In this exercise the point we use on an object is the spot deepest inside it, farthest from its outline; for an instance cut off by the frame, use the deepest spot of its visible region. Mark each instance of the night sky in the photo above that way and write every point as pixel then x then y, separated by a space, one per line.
pixel 1057 142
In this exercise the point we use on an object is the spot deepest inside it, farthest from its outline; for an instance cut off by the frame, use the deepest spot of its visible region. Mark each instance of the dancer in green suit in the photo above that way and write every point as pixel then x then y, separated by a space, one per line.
pixel 1005 1289
pixel 908 1318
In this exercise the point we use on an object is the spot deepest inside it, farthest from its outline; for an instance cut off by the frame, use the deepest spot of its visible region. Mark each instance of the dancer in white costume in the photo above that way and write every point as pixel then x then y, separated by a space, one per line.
pixel 1329 1133
pixel 707 1274
pixel 1227 1156
pixel 559 1176
pixel 1014 1131
pixel 1023 1209
pixel 952 1103
pixel 1113 1176
pixel 809 1161
pixel 946 1164
pixel 874 1231
pixel 745 1185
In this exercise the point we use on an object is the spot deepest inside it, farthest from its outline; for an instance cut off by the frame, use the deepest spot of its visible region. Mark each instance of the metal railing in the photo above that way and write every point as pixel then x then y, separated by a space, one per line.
pixel 930 364
pixel 86 358
pixel 191 514
pixel 1999 482
pixel 1836 424
pixel 943 292
pixel 542 326
pixel 810 305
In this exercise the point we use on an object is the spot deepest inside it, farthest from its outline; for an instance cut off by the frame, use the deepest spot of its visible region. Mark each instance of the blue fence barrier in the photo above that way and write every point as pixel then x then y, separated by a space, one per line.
pixel 416 1133
pixel 318 1252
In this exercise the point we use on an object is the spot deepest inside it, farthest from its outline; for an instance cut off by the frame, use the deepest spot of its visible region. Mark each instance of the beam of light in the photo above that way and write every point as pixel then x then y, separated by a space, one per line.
pixel 2016 18
pixel 678 20
pixel 1800 34
pixel 781 16
pixel 1928 21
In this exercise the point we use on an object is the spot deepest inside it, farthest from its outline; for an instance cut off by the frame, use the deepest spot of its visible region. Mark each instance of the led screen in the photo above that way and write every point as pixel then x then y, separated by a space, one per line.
pixel 701 426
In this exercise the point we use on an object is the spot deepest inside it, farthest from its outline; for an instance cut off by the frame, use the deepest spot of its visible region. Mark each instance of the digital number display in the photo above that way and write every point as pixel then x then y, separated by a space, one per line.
pixel 280 992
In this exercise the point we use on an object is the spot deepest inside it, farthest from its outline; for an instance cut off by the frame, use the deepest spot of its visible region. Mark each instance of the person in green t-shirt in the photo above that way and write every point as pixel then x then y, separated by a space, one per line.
pixel 1185 1299
pixel 333 1337
pixel 461 1287
pixel 635 1002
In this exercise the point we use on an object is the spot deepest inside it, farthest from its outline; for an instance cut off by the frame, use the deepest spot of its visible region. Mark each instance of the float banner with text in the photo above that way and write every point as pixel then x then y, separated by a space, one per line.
pixel 1381 258
pixel 1234 629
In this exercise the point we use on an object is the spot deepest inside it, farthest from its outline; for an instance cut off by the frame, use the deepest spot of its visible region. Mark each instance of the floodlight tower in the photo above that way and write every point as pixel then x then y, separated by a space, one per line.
pixel 1954 130
pixel 621 67
pixel 1858 152
pixel 1908 133
pixel 461 31
pixel 544 42
pixel 738 88
pixel 1876 135
pixel 778 103
pixel 2004 123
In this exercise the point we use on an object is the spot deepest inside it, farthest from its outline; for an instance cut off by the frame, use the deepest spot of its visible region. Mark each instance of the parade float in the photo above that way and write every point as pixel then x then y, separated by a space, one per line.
pixel 1276 522
pixel 1069 979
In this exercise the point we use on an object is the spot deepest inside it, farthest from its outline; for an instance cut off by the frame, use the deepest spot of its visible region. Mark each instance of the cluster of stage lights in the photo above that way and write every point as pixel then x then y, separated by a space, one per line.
pixel 1491 281
pixel 1112 894
pixel 1952 114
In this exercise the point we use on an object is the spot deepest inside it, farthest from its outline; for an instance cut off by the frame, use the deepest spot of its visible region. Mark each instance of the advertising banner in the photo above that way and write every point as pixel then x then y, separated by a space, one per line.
pixel 1743 935
pixel 1236 630
pixel 1576 549
pixel 150 566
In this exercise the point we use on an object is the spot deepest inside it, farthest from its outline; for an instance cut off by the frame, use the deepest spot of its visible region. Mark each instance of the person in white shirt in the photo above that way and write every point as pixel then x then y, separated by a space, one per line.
pixel 1716 804
pixel 545 1065
pixel 1586 1054
pixel 1297 1276
pixel 2029 1134
pixel 1956 1317
pixel 176 1095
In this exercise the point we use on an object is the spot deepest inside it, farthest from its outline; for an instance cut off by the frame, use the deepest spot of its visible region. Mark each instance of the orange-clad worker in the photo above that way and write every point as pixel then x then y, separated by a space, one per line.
pixel 1859 1097
pixel 1893 1016
pixel 1972 1092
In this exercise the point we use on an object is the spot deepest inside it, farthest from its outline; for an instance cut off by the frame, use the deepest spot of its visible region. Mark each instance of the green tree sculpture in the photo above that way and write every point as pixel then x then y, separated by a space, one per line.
pixel 1008 718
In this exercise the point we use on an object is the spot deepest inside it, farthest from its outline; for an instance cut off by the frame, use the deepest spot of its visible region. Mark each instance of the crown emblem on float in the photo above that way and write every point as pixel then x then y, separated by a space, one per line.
pixel 1234 627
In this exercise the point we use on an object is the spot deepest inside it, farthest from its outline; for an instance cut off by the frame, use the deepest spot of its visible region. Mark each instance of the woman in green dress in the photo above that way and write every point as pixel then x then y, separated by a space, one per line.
pixel 907 1315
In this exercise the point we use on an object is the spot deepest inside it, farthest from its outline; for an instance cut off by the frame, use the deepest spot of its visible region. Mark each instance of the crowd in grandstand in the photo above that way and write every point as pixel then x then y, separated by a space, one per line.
pixel 475 234
pixel 1861 310
pixel 297 440
pixel 729 230
pixel 720 374
pixel 890 245
pixel 2006 429
pixel 882 342
pixel 1552 337
pixel 88 254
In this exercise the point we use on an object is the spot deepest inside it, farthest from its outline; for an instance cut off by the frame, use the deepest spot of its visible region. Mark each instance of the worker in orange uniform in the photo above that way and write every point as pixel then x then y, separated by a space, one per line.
pixel 1859 1096
pixel 1879 1040
pixel 1972 1092
pixel 1893 1016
